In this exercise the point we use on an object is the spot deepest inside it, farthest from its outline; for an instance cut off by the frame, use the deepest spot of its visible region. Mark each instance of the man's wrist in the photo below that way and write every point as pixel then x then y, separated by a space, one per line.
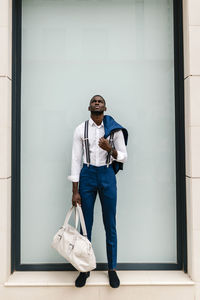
pixel 75 188
pixel 75 192
pixel 111 151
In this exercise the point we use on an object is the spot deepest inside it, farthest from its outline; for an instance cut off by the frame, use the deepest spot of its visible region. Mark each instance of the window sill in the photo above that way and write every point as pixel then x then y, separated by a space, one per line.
pixel 98 278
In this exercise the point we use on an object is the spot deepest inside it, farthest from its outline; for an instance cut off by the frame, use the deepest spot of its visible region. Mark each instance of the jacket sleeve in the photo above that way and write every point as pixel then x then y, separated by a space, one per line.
pixel 77 154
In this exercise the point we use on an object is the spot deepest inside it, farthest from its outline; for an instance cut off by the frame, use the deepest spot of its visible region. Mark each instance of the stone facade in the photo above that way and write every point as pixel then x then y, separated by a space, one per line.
pixel 138 285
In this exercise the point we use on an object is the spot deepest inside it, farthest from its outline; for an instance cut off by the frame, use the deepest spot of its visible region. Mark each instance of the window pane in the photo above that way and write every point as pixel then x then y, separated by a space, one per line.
pixel 71 50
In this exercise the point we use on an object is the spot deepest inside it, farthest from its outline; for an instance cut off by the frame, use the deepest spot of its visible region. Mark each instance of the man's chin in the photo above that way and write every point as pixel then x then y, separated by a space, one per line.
pixel 97 113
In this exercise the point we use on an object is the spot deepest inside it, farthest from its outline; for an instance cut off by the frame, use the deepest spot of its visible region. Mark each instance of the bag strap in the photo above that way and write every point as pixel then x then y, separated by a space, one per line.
pixel 76 219
pixel 80 214
pixel 86 141
pixel 111 142
pixel 69 213
pixel 82 221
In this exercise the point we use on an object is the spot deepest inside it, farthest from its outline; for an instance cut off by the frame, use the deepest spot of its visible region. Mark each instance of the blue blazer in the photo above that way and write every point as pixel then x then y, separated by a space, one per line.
pixel 110 125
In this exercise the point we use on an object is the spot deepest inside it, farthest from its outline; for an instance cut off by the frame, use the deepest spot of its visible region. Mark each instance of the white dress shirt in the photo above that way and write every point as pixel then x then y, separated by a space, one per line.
pixel 97 154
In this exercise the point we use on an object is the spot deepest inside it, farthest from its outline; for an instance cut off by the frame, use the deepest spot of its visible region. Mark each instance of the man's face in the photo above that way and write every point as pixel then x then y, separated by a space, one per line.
pixel 97 105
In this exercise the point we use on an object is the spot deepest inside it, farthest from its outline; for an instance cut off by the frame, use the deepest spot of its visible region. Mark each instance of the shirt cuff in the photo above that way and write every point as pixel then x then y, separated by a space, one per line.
pixel 121 157
pixel 73 178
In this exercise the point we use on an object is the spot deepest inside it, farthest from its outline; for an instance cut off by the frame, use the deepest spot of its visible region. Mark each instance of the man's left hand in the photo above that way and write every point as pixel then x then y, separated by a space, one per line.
pixel 104 144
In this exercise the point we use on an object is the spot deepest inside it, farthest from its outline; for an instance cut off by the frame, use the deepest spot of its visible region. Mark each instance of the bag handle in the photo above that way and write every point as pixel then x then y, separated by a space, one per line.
pixel 79 214
pixel 82 221
pixel 68 217
pixel 76 219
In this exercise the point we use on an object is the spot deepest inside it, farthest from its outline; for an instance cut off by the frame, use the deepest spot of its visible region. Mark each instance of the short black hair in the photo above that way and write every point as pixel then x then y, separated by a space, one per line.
pixel 98 96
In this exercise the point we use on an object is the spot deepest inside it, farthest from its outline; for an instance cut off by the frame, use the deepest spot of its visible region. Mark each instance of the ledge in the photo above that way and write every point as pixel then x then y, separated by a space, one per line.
pixel 98 278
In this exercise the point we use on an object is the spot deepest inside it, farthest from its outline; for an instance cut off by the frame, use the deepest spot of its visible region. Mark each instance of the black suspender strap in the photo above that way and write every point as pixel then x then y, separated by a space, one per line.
pixel 87 150
pixel 111 142
pixel 86 142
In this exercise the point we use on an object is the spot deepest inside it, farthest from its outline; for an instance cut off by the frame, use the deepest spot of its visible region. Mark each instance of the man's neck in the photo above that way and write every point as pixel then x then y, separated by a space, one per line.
pixel 97 118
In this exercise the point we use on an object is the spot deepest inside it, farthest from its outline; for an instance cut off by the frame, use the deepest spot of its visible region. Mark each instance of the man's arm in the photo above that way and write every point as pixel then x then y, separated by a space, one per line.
pixel 120 147
pixel 77 152
pixel 120 152
pixel 76 198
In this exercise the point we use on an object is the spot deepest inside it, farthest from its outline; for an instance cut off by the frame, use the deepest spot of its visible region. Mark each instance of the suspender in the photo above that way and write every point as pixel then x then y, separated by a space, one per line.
pixel 86 142
pixel 87 150
pixel 112 144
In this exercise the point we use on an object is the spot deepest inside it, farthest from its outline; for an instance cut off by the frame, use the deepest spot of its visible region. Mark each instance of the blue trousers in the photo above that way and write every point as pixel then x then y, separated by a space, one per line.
pixel 102 180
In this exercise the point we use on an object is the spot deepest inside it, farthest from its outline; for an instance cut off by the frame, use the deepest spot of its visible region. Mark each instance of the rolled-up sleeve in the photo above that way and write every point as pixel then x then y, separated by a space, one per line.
pixel 77 153
pixel 120 147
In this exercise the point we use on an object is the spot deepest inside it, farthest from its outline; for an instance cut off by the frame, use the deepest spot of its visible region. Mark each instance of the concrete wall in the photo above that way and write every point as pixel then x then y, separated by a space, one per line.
pixel 5 137
pixel 152 285
pixel 192 128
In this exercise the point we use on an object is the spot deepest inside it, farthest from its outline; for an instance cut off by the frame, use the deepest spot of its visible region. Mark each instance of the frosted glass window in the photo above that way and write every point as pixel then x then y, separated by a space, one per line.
pixel 122 49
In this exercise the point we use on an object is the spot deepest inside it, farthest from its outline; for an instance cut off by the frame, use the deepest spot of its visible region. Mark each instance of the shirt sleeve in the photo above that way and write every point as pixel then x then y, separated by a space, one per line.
pixel 120 147
pixel 77 154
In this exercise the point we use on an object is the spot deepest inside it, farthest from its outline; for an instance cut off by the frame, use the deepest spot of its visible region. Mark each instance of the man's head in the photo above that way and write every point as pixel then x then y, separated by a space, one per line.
pixel 97 105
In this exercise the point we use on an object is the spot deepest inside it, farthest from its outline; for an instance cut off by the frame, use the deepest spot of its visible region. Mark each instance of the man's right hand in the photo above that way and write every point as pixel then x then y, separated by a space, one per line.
pixel 76 198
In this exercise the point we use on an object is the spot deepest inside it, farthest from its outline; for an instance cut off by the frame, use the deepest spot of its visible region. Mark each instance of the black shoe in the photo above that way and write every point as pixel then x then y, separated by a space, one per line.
pixel 113 279
pixel 81 279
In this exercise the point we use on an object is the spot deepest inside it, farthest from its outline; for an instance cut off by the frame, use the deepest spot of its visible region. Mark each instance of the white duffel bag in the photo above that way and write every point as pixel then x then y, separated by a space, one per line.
pixel 73 246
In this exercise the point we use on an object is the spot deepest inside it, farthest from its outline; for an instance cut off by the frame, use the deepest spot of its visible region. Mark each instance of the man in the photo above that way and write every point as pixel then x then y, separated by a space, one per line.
pixel 101 156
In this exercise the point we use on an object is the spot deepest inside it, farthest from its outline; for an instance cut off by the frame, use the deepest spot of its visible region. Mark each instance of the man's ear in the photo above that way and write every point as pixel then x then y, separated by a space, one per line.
pixel 89 108
pixel 105 108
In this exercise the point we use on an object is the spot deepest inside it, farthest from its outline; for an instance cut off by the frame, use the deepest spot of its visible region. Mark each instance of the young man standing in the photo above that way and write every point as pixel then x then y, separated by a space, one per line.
pixel 102 157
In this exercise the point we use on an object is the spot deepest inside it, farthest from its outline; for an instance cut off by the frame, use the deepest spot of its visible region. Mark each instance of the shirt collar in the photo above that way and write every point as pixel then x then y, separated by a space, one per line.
pixel 92 123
